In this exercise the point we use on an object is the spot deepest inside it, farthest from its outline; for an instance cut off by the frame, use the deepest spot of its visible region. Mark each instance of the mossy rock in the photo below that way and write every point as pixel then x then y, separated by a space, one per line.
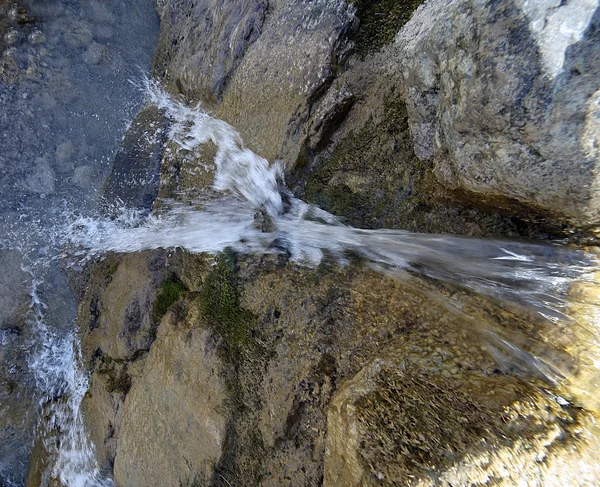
pixel 171 290
pixel 221 305
pixel 369 176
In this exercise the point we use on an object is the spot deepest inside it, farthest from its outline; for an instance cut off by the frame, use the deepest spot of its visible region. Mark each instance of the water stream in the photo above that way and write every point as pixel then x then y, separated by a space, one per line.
pixel 252 213
pixel 527 276
pixel 65 103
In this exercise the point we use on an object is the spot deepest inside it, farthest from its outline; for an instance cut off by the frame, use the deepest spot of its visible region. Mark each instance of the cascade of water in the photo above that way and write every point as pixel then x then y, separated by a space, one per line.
pixel 62 383
pixel 535 276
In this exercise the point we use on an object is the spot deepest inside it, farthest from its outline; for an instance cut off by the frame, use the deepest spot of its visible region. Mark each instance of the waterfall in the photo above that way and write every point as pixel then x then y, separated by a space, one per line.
pixel 524 275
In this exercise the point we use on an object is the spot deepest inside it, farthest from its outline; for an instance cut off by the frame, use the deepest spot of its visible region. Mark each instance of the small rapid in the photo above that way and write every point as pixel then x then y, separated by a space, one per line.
pixel 62 383
pixel 253 212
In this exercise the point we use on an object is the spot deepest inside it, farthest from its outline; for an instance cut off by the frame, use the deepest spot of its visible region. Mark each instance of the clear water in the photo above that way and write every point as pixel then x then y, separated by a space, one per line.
pixel 65 103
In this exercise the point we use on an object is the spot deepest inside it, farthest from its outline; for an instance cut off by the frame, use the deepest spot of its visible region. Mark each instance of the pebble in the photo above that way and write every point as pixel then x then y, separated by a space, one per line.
pixel 36 37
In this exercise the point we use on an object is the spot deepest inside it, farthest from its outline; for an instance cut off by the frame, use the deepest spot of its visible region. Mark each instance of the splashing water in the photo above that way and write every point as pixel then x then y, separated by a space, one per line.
pixel 537 277
pixel 56 364
pixel 237 169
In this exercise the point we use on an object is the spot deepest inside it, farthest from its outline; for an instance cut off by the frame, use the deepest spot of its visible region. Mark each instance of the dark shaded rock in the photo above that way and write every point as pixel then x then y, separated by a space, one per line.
pixel 203 42
pixel 135 174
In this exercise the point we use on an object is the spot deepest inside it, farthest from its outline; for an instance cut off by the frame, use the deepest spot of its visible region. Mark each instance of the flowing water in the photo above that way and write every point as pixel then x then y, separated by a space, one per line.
pixel 65 103
pixel 252 213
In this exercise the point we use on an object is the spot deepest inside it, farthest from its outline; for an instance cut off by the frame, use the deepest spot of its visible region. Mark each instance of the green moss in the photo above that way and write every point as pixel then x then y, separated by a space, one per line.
pixel 221 304
pixel 242 463
pixel 120 383
pixel 380 21
pixel 115 375
pixel 171 290
pixel 111 269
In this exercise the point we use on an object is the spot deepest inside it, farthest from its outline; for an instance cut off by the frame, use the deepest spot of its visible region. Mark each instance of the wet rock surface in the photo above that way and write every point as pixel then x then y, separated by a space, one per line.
pixel 409 123
pixel 135 174
pixel 294 376
pixel 17 393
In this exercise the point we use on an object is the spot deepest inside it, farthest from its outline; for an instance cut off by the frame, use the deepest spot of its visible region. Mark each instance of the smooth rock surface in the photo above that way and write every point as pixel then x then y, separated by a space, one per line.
pixel 173 427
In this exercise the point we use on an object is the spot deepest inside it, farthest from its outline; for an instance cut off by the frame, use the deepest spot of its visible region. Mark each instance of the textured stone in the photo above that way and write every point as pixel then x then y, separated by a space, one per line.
pixel 502 97
pixel 135 174
pixel 260 69
pixel 339 371
pixel 202 42
pixel 173 427
pixel 396 423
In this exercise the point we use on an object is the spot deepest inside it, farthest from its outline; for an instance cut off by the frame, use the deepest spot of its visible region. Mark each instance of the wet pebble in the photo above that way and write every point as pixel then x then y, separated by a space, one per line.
pixel 64 156
pixel 12 36
pixel 41 180
pixel 82 176
pixel 103 32
pixel 94 54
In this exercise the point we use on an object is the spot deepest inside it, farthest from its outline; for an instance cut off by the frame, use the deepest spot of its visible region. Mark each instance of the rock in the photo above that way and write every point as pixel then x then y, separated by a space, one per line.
pixel 491 137
pixel 83 176
pixel 267 84
pixel 174 430
pixel 287 375
pixel 94 54
pixel 394 424
pixel 202 43
pixel 135 174
pixel 117 316
pixel 42 178
pixel 18 400
pixel 289 67
pixel 502 98
pixel 64 151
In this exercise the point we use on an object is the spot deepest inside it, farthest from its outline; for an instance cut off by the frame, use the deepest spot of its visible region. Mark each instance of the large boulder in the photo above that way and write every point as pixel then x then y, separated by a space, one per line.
pixel 174 427
pixel 404 420
pixel 503 98
pixel 261 69
pixel 267 373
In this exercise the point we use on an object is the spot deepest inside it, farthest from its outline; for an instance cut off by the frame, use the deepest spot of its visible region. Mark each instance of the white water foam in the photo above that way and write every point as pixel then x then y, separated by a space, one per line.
pixel 526 273
pixel 56 365
pixel 238 169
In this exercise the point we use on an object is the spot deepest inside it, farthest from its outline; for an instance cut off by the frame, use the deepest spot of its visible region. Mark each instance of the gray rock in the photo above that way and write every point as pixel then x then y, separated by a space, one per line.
pixel 135 174
pixel 503 98
pixel 262 73
pixel 42 178
pixel 202 43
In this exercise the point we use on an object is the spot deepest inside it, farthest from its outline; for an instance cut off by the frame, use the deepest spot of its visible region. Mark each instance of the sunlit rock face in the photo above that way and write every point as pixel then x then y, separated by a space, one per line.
pixel 262 67
pixel 401 421
pixel 503 98
pixel 263 372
